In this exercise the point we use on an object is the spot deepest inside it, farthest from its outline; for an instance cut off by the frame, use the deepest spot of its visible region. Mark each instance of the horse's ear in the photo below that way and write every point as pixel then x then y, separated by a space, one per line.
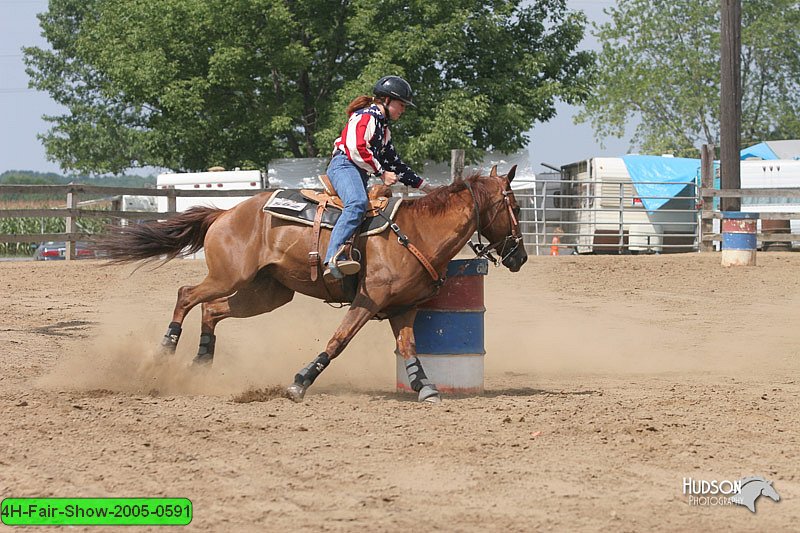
pixel 493 172
pixel 511 173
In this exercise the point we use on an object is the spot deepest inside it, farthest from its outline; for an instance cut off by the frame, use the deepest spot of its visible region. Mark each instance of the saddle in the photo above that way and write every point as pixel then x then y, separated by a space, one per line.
pixel 378 196
pixel 322 209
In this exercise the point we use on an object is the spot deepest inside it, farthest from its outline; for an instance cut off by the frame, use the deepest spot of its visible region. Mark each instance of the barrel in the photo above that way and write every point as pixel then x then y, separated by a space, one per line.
pixel 449 332
pixel 739 238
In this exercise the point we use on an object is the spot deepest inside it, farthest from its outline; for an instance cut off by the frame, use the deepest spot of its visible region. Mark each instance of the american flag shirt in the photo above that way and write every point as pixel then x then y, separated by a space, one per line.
pixel 367 142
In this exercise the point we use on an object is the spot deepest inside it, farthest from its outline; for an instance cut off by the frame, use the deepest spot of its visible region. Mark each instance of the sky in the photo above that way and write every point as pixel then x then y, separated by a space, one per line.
pixel 557 142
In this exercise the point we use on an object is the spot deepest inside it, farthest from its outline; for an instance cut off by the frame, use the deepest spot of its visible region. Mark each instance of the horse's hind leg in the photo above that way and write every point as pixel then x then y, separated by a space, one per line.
pixel 403 329
pixel 188 297
pixel 260 296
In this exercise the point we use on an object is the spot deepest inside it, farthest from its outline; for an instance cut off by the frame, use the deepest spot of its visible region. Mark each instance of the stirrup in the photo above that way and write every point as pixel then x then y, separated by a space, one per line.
pixel 347 266
pixel 332 274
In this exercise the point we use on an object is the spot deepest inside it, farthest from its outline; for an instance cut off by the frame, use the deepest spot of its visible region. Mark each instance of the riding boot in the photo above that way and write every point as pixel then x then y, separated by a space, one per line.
pixel 338 267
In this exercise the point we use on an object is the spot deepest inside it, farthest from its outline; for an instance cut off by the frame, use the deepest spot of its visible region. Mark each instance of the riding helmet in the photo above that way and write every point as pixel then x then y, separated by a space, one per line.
pixel 394 87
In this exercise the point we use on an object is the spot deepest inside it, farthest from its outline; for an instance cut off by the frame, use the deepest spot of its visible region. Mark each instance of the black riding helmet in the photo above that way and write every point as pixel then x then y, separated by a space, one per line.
pixel 394 87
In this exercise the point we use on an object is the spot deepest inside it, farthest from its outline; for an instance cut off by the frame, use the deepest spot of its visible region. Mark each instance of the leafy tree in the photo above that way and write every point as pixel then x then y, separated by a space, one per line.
pixel 660 62
pixel 28 177
pixel 187 84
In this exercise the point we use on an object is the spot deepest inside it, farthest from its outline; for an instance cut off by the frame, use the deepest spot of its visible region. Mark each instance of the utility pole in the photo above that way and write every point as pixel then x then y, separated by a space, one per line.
pixel 730 100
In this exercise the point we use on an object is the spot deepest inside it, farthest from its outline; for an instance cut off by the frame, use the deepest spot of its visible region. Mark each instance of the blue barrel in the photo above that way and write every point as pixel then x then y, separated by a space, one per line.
pixel 449 331
pixel 739 239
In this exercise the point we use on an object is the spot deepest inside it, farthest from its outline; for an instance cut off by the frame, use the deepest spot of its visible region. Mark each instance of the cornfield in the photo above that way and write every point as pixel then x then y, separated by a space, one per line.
pixel 21 226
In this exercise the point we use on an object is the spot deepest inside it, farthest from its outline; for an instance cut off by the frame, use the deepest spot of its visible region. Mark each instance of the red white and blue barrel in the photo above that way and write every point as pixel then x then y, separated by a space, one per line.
pixel 739 239
pixel 449 331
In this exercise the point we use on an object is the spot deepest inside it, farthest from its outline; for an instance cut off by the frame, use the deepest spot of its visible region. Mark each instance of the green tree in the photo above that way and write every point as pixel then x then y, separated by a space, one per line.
pixel 187 84
pixel 660 63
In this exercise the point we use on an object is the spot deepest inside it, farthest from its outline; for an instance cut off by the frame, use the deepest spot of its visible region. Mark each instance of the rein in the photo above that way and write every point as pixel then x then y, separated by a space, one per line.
pixel 485 250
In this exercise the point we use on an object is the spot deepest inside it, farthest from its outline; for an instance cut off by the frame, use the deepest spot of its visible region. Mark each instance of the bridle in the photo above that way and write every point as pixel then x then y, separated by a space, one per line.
pixel 513 240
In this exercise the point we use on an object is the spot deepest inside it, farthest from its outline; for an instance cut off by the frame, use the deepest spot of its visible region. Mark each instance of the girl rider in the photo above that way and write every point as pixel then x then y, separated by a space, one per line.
pixel 365 148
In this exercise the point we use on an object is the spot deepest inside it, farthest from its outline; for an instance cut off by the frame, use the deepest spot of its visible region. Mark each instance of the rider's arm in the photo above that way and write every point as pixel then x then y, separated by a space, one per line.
pixel 391 161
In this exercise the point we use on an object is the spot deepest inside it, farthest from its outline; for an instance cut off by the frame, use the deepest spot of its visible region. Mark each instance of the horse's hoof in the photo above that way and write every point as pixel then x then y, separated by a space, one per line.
pixel 203 361
pixel 429 394
pixel 295 392
pixel 167 349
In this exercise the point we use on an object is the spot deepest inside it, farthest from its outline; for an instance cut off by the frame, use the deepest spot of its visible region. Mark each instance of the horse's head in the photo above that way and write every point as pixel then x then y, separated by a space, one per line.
pixel 769 491
pixel 498 221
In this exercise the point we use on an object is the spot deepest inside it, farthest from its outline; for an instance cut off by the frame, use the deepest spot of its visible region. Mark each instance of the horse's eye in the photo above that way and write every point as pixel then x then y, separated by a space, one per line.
pixel 517 210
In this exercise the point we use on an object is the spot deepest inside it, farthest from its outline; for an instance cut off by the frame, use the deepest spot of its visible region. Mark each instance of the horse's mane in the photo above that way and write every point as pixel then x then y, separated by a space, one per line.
pixel 440 200
pixel 747 480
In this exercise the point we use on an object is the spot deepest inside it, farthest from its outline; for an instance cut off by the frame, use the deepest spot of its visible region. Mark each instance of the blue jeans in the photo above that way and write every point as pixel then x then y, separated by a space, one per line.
pixel 350 183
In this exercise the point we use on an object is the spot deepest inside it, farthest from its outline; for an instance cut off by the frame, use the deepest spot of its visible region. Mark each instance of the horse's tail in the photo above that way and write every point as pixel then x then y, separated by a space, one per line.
pixel 181 234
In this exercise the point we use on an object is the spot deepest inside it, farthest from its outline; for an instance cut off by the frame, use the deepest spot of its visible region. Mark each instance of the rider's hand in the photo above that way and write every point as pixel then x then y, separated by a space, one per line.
pixel 389 178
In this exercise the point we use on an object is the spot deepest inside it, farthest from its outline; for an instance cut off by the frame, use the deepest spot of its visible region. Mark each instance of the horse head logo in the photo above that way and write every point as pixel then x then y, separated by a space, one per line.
pixel 752 488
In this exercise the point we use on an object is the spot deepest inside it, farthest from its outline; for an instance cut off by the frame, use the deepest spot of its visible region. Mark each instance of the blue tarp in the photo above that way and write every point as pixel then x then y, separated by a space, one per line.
pixel 760 150
pixel 658 179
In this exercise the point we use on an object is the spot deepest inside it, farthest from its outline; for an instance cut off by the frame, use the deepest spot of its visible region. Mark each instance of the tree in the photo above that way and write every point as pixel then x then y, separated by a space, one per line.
pixel 660 62
pixel 187 84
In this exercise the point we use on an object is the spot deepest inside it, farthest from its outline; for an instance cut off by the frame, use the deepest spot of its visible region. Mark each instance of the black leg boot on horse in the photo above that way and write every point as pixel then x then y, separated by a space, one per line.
pixel 306 377
pixel 361 311
pixel 170 341
pixel 403 329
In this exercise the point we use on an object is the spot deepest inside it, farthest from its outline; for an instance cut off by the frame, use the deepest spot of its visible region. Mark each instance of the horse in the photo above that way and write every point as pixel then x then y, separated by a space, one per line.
pixel 752 489
pixel 256 262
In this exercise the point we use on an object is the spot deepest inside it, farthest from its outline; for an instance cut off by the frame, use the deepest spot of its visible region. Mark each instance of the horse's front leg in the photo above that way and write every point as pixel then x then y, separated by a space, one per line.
pixel 403 329
pixel 359 314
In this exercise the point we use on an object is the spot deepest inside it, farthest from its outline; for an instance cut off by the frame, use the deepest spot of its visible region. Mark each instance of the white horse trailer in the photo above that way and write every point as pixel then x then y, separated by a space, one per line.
pixel 609 215
pixel 223 180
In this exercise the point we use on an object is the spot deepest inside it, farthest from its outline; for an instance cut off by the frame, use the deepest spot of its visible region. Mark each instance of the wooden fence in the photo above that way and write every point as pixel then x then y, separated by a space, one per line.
pixel 708 214
pixel 75 209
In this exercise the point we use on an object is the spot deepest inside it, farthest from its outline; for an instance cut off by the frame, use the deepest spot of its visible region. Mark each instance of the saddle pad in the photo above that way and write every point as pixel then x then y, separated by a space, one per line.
pixel 289 204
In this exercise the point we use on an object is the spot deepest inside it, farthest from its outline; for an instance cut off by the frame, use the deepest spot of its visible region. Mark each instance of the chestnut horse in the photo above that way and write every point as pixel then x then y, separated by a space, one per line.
pixel 256 262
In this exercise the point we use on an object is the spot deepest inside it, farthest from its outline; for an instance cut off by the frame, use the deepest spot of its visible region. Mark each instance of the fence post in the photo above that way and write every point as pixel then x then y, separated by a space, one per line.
pixel 172 201
pixel 706 182
pixel 621 242
pixel 456 165
pixel 116 205
pixel 72 203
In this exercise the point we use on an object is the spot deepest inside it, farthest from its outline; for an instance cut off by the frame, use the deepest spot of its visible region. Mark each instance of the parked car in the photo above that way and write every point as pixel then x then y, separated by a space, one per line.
pixel 53 251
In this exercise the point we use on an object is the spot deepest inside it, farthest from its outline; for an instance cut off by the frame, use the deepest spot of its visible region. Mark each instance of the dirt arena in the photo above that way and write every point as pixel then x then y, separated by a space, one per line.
pixel 609 379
